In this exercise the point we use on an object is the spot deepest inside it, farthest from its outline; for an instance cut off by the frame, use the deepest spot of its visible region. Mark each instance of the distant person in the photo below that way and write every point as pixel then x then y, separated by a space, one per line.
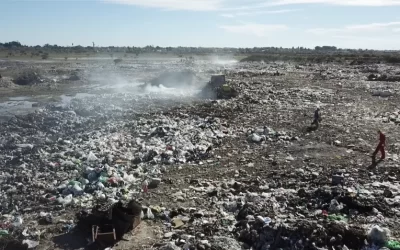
pixel 209 150
pixel 0 76
pixel 317 118
pixel 380 147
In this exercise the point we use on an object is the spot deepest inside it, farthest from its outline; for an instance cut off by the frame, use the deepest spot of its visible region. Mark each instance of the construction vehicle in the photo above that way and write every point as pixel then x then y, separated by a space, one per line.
pixel 219 88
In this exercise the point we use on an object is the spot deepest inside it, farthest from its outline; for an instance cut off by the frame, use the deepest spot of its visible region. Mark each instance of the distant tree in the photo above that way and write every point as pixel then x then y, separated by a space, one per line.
pixel 13 44
pixel 330 48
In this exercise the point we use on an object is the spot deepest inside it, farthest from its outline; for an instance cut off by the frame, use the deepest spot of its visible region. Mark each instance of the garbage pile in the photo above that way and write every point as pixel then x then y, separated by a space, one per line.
pixel 237 173
pixel 255 213
pixel 392 117
pixel 28 77
pixel 88 161
pixel 73 155
pixel 290 188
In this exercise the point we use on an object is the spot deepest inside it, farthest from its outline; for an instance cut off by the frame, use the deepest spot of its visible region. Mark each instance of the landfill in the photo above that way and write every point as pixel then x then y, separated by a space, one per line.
pixel 248 172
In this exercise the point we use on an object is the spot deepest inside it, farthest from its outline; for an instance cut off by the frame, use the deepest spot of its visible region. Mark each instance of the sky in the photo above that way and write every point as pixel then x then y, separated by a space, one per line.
pixel 365 24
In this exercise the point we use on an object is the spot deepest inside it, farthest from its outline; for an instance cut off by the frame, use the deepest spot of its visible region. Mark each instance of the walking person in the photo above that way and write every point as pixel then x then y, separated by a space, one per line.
pixel 381 147
pixel 317 118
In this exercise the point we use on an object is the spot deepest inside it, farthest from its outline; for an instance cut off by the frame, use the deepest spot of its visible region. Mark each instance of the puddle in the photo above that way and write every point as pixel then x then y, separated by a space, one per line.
pixel 19 98
pixel 11 108
pixel 16 104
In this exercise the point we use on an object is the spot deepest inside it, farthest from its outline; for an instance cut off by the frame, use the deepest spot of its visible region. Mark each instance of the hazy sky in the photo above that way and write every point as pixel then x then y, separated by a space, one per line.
pixel 371 24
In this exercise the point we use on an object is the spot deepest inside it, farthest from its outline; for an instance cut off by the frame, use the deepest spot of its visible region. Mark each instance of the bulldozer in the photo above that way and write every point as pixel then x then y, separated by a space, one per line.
pixel 219 88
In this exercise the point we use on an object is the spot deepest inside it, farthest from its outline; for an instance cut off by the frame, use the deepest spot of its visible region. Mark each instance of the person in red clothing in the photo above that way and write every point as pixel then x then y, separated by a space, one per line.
pixel 380 147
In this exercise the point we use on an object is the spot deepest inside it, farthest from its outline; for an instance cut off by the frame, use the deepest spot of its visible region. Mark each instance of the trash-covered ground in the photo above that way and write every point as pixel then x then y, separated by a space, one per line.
pixel 240 173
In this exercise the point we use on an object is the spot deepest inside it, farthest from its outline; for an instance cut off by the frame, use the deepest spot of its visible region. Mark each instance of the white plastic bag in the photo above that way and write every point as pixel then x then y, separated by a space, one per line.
pixel 149 214
pixel 91 157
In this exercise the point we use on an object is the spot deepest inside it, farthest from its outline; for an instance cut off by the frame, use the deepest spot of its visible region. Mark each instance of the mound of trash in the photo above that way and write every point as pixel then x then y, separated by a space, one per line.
pixel 28 78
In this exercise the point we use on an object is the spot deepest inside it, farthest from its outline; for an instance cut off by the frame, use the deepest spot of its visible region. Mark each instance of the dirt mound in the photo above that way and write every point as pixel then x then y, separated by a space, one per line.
pixel 28 78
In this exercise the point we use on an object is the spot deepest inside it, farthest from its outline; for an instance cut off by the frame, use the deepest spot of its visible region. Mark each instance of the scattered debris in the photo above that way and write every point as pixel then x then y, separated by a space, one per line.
pixel 231 173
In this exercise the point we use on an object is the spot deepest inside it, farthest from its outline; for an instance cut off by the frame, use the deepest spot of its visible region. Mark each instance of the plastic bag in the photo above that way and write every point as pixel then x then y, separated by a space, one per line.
pixel 149 214
pixel 335 206
pixel 393 245
pixel 17 221
pixel 76 190
pixel 91 157
pixel 31 243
